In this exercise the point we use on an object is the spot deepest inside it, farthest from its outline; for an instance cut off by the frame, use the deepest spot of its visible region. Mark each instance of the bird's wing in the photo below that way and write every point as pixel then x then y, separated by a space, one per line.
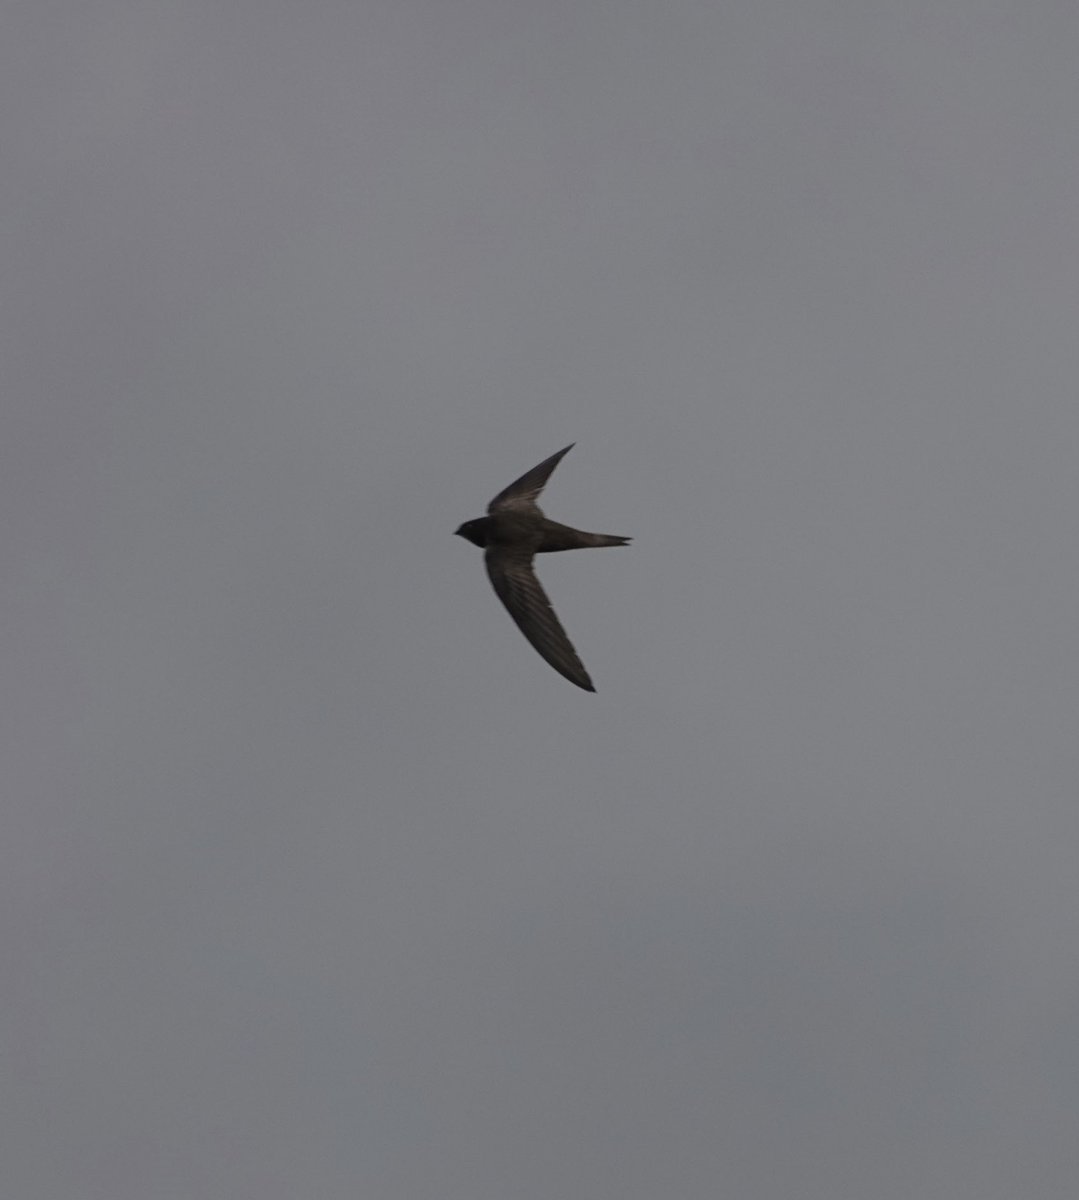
pixel 522 493
pixel 516 585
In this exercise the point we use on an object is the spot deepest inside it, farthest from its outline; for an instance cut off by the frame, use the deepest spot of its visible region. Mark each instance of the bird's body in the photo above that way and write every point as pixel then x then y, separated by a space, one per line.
pixel 541 536
pixel 512 533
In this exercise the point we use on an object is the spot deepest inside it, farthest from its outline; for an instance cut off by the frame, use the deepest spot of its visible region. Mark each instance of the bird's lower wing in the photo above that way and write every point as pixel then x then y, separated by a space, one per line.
pixel 516 585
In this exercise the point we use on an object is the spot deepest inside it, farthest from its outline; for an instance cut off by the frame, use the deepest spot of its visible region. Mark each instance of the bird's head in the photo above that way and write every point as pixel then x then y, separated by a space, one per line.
pixel 475 531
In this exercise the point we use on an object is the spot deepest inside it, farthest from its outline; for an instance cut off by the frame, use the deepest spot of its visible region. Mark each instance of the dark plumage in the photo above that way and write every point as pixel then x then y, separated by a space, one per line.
pixel 512 533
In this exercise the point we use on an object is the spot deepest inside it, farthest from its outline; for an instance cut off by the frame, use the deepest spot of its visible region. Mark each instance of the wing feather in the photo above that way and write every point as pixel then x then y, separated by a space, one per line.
pixel 522 493
pixel 516 585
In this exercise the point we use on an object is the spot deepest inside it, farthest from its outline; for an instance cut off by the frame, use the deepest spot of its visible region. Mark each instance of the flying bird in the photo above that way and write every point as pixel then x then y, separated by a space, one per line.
pixel 511 535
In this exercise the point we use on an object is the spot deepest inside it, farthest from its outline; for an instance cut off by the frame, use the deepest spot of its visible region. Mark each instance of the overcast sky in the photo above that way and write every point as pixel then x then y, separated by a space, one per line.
pixel 315 881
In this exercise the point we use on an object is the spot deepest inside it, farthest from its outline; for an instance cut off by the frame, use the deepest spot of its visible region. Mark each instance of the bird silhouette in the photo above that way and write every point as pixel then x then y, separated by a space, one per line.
pixel 514 531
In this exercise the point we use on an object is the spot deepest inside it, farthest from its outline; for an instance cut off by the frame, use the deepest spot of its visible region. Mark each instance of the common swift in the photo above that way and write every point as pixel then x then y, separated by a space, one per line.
pixel 512 533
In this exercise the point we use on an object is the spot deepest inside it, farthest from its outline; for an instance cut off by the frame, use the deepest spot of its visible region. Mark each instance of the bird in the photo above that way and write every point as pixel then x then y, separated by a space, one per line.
pixel 514 531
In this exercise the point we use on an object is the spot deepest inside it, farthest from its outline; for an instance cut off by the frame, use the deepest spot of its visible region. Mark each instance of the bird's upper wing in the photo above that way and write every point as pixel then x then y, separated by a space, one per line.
pixel 517 587
pixel 522 493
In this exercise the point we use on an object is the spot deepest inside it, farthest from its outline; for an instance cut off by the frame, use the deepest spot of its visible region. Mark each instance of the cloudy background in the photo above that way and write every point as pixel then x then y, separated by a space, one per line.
pixel 315 881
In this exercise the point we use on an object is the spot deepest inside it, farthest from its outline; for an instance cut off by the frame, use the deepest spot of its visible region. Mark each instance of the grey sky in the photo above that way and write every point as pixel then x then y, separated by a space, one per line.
pixel 315 880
